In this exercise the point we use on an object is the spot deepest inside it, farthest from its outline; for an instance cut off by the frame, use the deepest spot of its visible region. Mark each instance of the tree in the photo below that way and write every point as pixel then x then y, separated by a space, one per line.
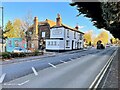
pixel 26 24
pixel 88 37
pixel 103 14
pixel 14 30
pixel 103 36
pixel 9 30
pixel 27 21
pixel 18 28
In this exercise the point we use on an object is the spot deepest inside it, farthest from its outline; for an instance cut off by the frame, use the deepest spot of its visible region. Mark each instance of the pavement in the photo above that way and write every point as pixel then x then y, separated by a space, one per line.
pixel 112 80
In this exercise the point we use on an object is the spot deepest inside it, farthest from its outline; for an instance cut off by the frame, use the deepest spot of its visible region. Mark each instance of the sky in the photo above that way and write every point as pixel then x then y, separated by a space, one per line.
pixel 48 10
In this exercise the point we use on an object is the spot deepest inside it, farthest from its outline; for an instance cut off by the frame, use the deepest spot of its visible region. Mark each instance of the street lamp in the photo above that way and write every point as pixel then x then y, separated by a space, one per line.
pixel 2 27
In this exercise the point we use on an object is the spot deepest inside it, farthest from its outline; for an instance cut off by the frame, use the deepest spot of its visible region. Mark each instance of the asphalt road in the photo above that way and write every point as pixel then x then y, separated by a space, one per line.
pixel 70 70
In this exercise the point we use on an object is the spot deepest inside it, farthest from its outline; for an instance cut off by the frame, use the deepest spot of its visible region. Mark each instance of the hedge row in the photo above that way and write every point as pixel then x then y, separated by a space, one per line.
pixel 8 55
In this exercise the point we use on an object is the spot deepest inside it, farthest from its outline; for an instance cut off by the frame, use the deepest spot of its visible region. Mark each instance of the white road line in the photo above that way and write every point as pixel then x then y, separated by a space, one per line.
pixel 52 65
pixel 63 61
pixel 12 84
pixel 24 83
pixel 2 77
pixel 100 75
pixel 71 59
pixel 7 60
pixel 35 72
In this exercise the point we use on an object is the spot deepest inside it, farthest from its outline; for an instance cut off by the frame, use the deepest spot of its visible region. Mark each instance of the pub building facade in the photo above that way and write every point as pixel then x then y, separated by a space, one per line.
pixel 63 37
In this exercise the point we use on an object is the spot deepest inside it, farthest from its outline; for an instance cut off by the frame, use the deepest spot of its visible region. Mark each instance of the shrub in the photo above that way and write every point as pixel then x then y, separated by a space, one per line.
pixel 36 53
pixel 14 55
pixel 22 54
pixel 6 55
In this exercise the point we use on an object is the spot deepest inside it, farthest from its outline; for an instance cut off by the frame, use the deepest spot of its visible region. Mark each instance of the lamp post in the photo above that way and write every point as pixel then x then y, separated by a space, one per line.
pixel 2 27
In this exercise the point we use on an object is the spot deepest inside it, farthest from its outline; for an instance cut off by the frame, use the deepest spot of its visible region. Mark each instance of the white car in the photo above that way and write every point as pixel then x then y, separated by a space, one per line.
pixel 20 50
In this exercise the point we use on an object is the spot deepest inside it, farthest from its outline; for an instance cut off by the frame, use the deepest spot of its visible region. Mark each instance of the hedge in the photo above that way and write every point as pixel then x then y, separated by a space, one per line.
pixel 8 55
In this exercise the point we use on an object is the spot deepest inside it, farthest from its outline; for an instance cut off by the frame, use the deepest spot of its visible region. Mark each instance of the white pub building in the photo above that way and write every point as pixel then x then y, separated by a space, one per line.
pixel 63 37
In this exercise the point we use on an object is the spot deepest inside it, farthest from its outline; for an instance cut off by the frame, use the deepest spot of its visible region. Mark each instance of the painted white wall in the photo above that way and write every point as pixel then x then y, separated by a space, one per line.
pixel 61 44
pixel 2 48
pixel 57 32
pixel 50 44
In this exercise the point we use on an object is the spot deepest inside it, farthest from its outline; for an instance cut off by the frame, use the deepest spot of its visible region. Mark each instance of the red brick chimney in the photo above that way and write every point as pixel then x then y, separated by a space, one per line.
pixel 58 20
pixel 36 24
pixel 77 27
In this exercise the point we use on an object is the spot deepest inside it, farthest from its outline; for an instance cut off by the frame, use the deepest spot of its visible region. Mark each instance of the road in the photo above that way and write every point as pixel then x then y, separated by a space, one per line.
pixel 68 70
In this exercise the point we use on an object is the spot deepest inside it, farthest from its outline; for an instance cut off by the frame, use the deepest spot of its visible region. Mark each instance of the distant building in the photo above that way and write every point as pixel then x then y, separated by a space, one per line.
pixel 38 33
pixel 63 37
pixel 2 45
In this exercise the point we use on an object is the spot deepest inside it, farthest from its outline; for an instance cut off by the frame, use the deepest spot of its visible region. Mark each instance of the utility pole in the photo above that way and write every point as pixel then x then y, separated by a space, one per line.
pixel 2 27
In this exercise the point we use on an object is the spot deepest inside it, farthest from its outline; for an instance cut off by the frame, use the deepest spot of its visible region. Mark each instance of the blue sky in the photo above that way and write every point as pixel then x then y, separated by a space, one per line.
pixel 49 10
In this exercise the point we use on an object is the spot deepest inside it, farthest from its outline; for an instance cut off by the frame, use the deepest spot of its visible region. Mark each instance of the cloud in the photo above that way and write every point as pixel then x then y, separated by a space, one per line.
pixel 80 27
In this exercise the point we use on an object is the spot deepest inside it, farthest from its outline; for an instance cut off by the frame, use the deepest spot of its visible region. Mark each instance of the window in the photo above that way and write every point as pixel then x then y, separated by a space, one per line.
pixel 51 42
pixel 80 36
pixel 67 33
pixel 48 42
pixel 55 43
pixel 80 44
pixel 74 35
pixel 67 43
pixel 43 34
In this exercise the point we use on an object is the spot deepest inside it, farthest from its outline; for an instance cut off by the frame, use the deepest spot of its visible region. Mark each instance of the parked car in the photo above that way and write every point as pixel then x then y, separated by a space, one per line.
pixel 20 50
pixel 107 45
pixel 100 45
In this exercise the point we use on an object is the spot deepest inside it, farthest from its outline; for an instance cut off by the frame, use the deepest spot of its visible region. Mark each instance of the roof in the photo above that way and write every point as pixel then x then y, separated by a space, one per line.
pixel 47 21
pixel 53 25
pixel 68 27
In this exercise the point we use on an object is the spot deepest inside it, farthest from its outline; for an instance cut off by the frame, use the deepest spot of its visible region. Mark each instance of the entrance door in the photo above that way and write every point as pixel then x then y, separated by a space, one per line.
pixel 72 44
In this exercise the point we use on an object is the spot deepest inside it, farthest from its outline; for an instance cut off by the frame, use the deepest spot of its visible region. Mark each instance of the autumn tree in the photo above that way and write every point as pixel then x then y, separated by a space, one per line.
pixel 9 30
pixel 103 36
pixel 88 37
pixel 14 30
pixel 18 28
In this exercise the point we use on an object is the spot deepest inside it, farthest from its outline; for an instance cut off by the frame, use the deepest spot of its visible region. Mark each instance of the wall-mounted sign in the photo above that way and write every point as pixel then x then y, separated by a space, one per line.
pixel 57 32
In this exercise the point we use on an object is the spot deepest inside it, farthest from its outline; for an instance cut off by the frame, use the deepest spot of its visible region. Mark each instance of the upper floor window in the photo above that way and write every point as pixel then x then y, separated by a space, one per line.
pixel 67 33
pixel 74 35
pixel 81 37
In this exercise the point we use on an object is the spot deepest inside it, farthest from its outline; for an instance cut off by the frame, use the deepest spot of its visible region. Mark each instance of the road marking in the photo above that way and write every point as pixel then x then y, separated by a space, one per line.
pixel 71 59
pixel 34 70
pixel 101 74
pixel 2 77
pixel 7 60
pixel 52 65
pixel 63 61
pixel 24 83
pixel 10 84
